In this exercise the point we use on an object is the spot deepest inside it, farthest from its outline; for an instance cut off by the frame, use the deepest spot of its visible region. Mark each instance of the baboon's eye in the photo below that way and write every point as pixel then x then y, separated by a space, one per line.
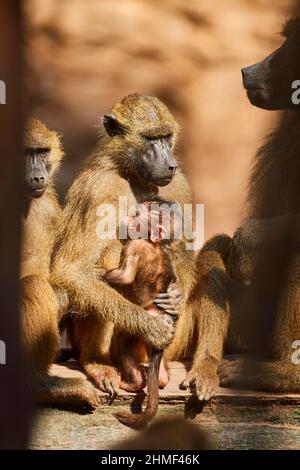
pixel 39 152
pixel 151 138
pixel 168 137
pixel 43 152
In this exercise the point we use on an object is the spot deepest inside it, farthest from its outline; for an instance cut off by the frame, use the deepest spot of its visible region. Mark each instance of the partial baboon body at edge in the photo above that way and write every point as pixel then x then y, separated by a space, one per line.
pixel 134 160
pixel 39 305
pixel 264 316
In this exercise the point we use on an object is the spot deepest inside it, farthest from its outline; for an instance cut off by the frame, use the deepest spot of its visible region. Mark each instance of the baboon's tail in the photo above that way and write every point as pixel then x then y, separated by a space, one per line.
pixel 140 420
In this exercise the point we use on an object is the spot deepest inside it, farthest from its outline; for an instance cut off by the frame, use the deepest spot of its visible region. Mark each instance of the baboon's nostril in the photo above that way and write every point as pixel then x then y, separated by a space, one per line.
pixel 38 179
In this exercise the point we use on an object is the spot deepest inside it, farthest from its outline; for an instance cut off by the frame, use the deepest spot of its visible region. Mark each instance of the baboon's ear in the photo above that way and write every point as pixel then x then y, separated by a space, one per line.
pixel 112 125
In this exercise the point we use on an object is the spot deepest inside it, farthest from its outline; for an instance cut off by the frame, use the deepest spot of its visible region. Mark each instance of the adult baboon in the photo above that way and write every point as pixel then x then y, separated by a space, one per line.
pixel 264 249
pixel 135 160
pixel 39 305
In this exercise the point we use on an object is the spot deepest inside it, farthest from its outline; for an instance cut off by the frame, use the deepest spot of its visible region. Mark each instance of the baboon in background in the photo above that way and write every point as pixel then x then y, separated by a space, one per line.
pixel 39 305
pixel 265 316
pixel 135 159
pixel 169 434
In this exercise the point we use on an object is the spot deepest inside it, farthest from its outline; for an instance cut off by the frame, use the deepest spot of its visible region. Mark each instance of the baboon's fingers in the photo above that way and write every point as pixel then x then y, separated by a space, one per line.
pixel 106 386
pixel 173 314
pixel 110 389
pixel 183 385
pixel 162 295
pixel 165 306
pixel 206 393
pixel 115 390
pixel 89 394
pixel 115 387
pixel 189 381
pixel 171 299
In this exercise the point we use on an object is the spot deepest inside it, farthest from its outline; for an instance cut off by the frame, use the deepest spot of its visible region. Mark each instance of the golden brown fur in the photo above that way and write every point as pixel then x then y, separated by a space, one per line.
pixel 263 317
pixel 39 305
pixel 112 171
pixel 145 271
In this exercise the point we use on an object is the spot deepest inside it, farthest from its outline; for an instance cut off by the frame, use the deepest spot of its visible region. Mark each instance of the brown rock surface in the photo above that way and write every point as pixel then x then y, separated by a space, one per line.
pixel 83 56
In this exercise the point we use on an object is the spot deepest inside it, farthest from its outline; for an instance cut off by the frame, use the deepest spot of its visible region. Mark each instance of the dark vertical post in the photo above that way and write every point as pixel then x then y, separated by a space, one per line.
pixel 14 397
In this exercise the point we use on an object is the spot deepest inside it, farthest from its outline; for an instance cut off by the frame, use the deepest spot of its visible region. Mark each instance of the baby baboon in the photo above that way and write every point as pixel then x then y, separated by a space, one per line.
pixel 135 160
pixel 145 271
pixel 39 305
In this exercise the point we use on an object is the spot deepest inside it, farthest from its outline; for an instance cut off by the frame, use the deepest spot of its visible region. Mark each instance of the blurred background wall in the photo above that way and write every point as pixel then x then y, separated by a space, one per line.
pixel 83 56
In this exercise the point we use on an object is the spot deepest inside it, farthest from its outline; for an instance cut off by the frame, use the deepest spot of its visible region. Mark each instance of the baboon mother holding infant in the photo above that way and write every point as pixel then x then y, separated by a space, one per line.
pixel 135 159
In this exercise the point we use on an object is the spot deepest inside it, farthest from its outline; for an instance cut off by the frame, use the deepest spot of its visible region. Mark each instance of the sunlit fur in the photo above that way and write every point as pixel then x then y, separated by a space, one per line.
pixel 265 317
pixel 95 305
pixel 41 220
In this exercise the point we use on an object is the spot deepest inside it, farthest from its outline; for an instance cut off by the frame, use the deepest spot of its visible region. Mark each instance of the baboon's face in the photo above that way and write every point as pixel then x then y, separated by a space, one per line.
pixel 269 82
pixel 156 161
pixel 144 133
pixel 148 154
pixel 37 169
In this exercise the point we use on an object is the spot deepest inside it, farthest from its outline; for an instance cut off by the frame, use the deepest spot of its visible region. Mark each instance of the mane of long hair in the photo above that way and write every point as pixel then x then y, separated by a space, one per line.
pixel 274 187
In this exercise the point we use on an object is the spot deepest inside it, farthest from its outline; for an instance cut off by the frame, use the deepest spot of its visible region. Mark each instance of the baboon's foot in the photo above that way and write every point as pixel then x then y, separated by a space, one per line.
pixel 104 376
pixel 132 387
pixel 204 381
pixel 163 376
pixel 135 382
pixel 73 391
pixel 237 373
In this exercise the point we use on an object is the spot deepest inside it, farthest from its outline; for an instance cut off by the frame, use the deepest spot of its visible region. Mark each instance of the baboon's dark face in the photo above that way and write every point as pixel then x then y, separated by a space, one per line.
pixel 156 161
pixel 269 82
pixel 147 155
pixel 37 169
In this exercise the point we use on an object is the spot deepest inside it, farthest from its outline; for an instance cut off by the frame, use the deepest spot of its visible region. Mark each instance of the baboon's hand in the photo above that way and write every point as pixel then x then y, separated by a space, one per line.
pixel 203 381
pixel 104 376
pixel 245 251
pixel 160 331
pixel 171 300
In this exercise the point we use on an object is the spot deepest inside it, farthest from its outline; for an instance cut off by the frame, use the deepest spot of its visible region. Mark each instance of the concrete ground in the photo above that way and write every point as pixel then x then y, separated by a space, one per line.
pixel 232 420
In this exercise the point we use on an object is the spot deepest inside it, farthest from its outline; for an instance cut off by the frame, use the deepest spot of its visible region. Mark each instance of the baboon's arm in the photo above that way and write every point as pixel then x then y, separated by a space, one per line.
pixel 124 275
pixel 255 236
pixel 258 232
pixel 73 268
pixel 207 313
pixel 105 304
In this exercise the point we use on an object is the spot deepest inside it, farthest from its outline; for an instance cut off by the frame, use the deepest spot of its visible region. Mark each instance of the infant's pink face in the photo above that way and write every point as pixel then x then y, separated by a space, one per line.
pixel 146 221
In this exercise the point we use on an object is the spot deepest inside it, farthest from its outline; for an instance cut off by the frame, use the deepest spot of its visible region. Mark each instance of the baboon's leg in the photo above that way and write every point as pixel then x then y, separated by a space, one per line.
pixel 39 322
pixel 93 340
pixel 132 372
pixel 163 375
pixel 39 314
pixel 282 373
pixel 208 305
pixel 277 376
pixel 105 304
